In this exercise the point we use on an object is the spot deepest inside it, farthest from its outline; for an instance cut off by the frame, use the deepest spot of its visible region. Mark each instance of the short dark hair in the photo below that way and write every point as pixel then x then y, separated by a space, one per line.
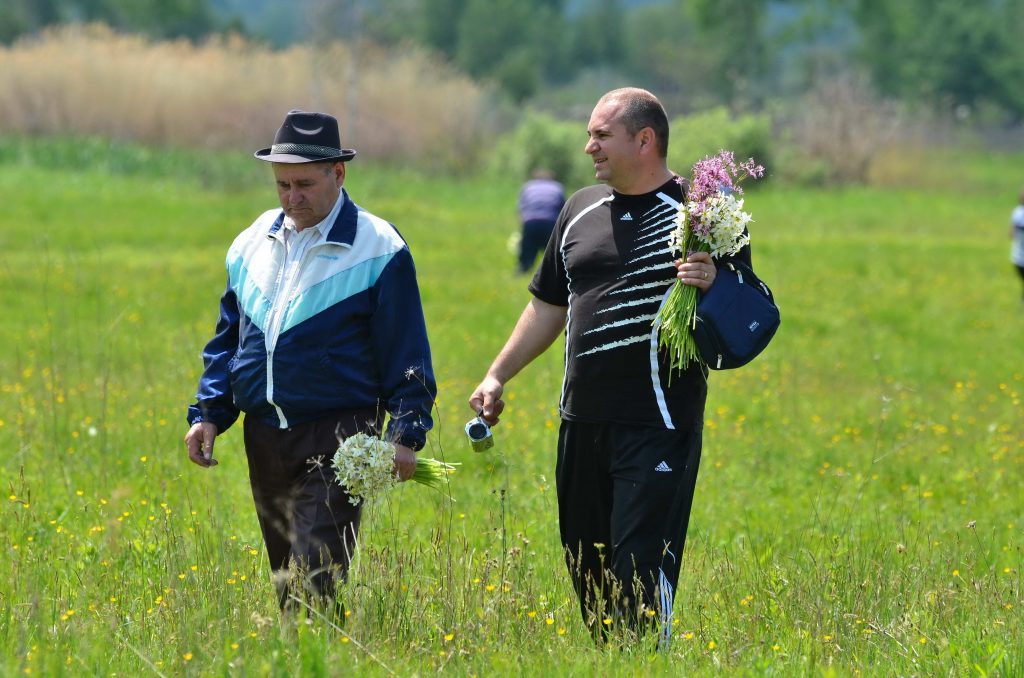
pixel 641 109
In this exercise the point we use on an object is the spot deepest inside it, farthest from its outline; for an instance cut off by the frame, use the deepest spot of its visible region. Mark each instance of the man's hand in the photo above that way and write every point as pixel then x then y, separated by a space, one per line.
pixel 698 270
pixel 405 462
pixel 487 399
pixel 199 441
pixel 538 326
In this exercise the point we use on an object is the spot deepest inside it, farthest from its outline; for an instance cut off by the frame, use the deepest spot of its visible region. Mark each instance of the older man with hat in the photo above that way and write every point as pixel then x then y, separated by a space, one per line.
pixel 321 335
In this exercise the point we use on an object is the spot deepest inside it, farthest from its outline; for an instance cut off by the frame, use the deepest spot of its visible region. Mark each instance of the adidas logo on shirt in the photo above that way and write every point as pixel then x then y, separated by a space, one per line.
pixel 626 217
pixel 663 468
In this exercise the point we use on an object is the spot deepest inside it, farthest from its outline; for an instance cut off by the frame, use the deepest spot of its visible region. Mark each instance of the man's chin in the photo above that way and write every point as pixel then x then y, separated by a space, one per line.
pixel 300 218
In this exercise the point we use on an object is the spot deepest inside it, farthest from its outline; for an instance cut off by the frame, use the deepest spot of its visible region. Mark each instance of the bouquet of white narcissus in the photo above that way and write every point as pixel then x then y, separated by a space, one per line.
pixel 365 466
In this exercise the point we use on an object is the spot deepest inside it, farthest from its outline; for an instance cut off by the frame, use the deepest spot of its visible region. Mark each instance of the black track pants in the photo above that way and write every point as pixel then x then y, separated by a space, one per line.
pixel 624 498
pixel 305 516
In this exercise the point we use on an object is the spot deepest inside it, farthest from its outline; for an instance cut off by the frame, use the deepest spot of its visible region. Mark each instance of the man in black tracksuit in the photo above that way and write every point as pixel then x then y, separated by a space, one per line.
pixel 630 439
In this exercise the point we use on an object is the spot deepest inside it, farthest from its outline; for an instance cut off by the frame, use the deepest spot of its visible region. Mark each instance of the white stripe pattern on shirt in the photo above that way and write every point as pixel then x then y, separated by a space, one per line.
pixel 627 304
pixel 614 344
pixel 621 323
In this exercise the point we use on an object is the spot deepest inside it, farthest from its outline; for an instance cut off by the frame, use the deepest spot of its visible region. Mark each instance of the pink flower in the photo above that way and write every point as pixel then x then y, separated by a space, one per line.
pixel 752 169
pixel 714 175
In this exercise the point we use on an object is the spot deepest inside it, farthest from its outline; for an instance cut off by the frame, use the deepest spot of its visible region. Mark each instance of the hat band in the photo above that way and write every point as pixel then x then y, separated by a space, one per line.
pixel 305 149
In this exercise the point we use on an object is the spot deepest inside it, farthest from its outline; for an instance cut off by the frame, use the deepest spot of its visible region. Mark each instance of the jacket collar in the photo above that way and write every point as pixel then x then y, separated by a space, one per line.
pixel 341 232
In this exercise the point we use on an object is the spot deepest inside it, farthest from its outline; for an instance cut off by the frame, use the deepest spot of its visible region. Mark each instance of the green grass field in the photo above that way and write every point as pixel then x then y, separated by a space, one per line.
pixel 859 509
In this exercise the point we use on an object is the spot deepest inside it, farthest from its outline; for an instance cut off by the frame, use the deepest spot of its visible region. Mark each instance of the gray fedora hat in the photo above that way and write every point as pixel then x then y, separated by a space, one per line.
pixel 307 137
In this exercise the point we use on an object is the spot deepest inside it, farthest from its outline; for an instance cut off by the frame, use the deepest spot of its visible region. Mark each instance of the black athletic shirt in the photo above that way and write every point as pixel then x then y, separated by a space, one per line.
pixel 608 260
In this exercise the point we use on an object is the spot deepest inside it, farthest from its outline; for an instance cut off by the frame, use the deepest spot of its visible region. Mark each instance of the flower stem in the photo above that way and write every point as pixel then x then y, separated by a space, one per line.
pixel 678 315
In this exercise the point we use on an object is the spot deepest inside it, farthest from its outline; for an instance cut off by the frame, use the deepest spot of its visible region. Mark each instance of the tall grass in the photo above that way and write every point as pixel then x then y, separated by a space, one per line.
pixel 858 510
pixel 228 93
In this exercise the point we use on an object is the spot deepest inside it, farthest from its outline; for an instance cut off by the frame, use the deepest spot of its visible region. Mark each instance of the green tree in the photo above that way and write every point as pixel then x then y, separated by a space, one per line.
pixel 393 22
pixel 730 36
pixel 22 16
pixel 510 41
pixel 158 18
pixel 946 52
pixel 700 53
pixel 13 20
pixel 603 20
pixel 660 52
pixel 439 22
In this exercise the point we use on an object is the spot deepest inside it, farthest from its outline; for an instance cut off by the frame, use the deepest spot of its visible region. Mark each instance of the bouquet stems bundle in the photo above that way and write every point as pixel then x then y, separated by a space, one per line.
pixel 678 315
pixel 432 472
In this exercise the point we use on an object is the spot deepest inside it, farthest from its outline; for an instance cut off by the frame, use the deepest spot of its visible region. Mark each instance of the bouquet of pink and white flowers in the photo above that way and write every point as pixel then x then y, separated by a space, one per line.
pixel 365 466
pixel 710 220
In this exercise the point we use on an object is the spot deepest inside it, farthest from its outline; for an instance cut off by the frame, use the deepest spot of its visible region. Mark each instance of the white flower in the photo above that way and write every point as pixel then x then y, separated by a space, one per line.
pixel 677 239
pixel 725 222
pixel 364 466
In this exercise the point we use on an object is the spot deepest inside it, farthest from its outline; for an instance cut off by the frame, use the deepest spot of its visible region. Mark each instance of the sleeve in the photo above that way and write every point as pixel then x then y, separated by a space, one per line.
pixel 402 352
pixel 214 400
pixel 550 283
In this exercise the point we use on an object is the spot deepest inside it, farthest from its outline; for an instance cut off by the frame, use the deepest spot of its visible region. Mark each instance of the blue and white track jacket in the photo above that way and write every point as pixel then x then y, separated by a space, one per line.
pixel 350 335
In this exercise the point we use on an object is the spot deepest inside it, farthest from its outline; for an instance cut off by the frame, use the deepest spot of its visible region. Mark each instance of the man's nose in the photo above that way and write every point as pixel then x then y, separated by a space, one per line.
pixel 590 147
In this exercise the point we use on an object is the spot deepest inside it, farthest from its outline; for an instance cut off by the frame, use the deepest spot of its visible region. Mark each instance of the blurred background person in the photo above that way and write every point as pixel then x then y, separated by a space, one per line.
pixel 1017 237
pixel 540 201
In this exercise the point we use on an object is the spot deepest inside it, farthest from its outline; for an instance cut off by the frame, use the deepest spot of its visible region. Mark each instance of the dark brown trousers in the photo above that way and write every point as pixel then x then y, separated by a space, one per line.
pixel 308 524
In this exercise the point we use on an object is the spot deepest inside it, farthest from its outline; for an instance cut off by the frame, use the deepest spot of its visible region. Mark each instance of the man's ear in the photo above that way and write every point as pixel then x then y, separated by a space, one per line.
pixel 646 139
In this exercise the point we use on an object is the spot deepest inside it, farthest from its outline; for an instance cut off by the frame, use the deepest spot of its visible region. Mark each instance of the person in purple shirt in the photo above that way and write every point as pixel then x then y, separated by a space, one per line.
pixel 540 201
pixel 1017 236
